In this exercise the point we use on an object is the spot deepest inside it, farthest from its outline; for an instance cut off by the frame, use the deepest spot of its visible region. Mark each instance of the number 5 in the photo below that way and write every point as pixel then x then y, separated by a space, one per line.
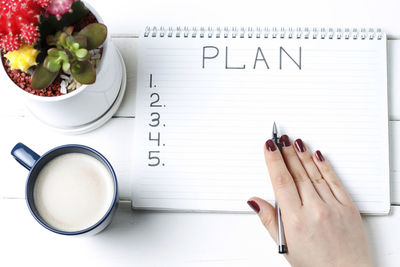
pixel 155 158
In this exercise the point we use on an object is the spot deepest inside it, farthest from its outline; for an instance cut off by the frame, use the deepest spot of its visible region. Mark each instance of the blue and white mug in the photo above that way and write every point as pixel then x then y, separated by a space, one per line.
pixel 71 189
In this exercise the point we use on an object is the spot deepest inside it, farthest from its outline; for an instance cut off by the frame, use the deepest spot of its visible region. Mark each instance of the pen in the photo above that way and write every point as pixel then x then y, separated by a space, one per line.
pixel 282 247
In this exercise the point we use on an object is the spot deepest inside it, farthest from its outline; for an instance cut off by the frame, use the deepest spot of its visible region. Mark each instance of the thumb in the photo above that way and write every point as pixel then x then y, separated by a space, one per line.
pixel 267 214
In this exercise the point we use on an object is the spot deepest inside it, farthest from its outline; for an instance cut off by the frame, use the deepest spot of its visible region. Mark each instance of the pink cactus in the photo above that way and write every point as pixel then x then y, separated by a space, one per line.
pixel 59 7
pixel 43 3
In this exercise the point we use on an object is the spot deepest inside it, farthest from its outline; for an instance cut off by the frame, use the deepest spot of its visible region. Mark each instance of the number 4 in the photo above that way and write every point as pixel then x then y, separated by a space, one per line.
pixel 155 139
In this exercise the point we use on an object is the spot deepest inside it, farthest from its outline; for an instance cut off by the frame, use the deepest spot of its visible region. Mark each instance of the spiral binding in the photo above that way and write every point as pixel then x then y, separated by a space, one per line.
pixel 265 32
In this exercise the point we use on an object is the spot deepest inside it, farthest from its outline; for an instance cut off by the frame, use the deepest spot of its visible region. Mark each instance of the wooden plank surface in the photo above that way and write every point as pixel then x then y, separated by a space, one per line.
pixel 166 239
pixel 130 17
pixel 127 48
pixel 394 79
pixel 395 161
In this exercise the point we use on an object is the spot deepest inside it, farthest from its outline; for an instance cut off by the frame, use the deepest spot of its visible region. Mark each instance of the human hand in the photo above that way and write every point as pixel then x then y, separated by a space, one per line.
pixel 322 225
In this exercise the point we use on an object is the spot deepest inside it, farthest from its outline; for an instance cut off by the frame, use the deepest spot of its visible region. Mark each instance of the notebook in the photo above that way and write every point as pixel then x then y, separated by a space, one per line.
pixel 207 99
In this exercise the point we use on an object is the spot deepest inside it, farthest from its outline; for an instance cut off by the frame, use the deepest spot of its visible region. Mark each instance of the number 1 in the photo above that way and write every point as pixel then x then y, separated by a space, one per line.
pixel 151 80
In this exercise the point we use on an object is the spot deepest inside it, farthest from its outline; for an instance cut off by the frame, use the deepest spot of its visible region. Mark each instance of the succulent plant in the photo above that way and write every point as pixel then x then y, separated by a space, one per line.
pixel 23 58
pixel 50 24
pixel 18 22
pixel 70 53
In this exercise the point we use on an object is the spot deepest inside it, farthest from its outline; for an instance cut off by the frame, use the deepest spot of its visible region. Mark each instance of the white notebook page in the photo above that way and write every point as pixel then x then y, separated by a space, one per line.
pixel 211 103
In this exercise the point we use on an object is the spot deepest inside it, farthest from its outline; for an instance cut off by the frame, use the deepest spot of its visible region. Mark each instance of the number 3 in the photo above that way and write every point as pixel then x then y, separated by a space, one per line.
pixel 155 120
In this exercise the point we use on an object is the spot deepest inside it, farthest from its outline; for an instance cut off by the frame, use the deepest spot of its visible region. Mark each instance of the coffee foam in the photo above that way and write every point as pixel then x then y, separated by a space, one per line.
pixel 73 192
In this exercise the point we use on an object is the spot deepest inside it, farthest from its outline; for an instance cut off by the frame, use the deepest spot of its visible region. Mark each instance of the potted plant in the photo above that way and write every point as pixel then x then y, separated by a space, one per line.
pixel 60 57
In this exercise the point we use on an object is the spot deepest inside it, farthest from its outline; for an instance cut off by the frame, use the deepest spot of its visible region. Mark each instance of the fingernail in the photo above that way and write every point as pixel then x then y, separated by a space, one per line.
pixel 299 145
pixel 284 140
pixel 254 205
pixel 270 145
pixel 319 156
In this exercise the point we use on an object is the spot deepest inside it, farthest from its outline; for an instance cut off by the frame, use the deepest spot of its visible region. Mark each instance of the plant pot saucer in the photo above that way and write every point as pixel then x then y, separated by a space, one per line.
pixel 85 128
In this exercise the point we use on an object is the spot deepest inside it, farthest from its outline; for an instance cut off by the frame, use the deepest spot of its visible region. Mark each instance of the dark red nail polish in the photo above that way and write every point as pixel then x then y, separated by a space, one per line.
pixel 270 145
pixel 254 205
pixel 284 140
pixel 319 156
pixel 299 145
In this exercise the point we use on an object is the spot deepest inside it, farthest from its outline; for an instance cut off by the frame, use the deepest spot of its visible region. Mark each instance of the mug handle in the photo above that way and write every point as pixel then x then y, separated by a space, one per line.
pixel 24 155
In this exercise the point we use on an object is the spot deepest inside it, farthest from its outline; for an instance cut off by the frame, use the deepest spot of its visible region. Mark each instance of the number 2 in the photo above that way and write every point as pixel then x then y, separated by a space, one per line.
pixel 153 104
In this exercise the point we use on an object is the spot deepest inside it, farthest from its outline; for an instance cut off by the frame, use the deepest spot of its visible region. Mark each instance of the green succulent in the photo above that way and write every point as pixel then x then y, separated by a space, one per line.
pixel 69 52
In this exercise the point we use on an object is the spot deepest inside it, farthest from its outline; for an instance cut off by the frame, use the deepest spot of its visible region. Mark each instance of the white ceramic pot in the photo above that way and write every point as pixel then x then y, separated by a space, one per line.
pixel 86 104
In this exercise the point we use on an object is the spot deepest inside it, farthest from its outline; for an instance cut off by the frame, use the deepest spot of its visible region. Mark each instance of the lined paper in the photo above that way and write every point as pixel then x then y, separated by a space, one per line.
pixel 202 119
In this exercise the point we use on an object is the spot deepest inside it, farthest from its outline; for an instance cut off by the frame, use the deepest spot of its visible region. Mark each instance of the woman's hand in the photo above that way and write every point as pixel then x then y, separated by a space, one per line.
pixel 322 225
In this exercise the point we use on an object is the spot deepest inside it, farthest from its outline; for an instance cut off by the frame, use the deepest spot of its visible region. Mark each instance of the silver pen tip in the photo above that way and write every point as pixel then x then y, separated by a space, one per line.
pixel 274 129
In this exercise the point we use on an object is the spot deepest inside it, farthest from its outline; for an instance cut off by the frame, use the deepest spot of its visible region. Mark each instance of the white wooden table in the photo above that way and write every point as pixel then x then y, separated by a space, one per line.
pixel 179 239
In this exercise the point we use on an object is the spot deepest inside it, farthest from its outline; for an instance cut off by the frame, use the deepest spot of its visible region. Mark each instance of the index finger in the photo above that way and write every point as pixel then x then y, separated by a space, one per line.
pixel 282 181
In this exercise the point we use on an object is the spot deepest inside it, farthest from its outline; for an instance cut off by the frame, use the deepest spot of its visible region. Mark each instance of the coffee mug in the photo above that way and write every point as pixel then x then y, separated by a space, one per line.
pixel 71 189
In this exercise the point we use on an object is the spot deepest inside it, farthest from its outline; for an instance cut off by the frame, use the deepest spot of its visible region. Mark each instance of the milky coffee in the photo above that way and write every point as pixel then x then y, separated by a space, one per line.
pixel 73 192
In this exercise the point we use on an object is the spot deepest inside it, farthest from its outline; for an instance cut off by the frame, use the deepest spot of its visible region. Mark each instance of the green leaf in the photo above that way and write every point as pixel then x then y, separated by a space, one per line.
pixel 81 40
pixel 54 52
pixel 62 39
pixel 63 56
pixel 96 34
pixel 81 53
pixel 83 72
pixel 66 66
pixel 52 64
pixel 69 30
pixel 42 78
pixel 69 41
pixel 75 46
pixel 75 68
